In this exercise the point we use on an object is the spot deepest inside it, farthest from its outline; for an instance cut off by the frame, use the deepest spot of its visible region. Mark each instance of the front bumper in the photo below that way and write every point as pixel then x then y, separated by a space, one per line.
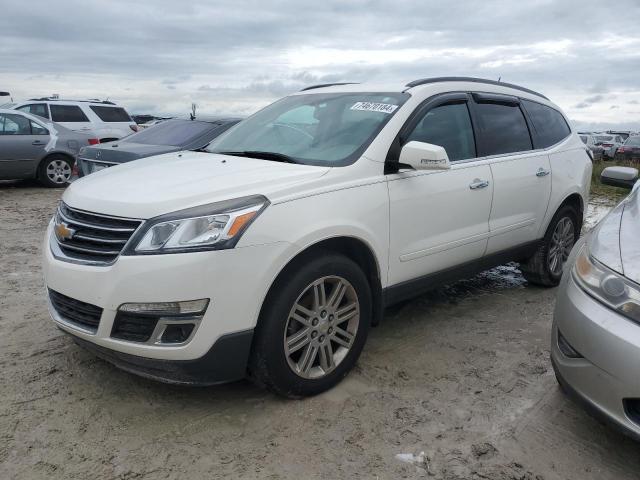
pixel 606 378
pixel 236 281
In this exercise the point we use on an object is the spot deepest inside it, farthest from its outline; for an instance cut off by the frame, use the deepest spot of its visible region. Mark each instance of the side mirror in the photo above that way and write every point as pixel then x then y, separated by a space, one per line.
pixel 424 156
pixel 623 177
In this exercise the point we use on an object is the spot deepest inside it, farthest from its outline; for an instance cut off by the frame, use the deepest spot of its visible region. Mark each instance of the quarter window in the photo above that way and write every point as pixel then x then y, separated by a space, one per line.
pixel 67 113
pixel 111 114
pixel 503 129
pixel 448 126
pixel 549 124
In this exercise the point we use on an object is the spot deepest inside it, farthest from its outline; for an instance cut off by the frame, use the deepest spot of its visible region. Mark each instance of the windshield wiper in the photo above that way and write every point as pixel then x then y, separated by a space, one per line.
pixel 275 156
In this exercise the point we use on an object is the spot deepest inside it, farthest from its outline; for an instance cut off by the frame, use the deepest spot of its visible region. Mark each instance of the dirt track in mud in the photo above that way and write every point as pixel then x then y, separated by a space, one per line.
pixel 454 384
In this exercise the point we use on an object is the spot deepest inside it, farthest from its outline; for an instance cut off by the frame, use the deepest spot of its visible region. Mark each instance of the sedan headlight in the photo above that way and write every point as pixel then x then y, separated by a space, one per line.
pixel 611 288
pixel 209 227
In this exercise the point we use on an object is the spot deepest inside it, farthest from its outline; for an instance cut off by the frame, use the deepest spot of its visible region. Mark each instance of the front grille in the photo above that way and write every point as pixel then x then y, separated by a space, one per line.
pixel 75 311
pixel 96 238
pixel 133 327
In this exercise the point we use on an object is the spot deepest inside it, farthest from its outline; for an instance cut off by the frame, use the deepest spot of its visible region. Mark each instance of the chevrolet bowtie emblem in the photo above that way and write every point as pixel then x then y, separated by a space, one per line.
pixel 63 232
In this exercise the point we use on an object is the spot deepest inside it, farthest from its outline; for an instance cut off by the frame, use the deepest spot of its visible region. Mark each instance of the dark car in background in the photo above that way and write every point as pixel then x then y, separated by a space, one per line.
pixel 630 150
pixel 169 136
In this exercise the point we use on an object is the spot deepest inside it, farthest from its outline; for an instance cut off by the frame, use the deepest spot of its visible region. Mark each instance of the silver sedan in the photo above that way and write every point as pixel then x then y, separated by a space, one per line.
pixel 33 147
pixel 595 347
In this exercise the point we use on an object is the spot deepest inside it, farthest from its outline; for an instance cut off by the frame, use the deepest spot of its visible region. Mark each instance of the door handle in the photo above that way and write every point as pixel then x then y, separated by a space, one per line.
pixel 477 184
pixel 37 142
pixel 542 172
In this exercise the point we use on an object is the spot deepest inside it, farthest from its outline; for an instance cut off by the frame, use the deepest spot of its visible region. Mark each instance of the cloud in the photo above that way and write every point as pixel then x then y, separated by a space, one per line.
pixel 236 56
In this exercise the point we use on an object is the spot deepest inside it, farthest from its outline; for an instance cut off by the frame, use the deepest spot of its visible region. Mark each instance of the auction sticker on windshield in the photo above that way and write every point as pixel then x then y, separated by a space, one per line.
pixel 374 107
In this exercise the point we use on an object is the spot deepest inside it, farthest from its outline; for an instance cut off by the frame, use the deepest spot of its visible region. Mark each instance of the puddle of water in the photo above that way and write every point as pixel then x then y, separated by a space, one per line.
pixel 596 210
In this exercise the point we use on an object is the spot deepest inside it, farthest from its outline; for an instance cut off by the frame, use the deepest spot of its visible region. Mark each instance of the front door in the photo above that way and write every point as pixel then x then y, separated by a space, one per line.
pixel 439 219
pixel 22 144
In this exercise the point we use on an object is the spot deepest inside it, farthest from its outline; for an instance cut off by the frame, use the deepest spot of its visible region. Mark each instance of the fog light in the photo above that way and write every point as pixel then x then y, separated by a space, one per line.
pixel 190 307
pixel 158 323
pixel 177 333
pixel 566 348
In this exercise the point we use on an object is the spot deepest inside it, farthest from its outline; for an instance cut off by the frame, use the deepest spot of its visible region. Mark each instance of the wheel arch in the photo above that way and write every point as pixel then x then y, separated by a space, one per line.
pixel 576 201
pixel 351 247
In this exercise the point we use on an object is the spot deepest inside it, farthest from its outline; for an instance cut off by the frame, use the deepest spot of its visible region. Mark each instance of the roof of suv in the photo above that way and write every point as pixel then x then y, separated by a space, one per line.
pixel 64 100
pixel 352 86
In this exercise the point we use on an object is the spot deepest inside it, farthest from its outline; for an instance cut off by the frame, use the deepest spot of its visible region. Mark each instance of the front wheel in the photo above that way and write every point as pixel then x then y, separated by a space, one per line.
pixel 313 326
pixel 546 265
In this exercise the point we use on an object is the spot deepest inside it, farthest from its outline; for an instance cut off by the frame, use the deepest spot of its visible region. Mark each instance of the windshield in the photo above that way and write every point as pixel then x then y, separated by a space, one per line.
pixel 315 129
pixel 634 141
pixel 172 132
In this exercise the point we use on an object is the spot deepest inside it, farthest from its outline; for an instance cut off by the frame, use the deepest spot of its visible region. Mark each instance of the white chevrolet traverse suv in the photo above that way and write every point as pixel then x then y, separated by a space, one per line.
pixel 272 254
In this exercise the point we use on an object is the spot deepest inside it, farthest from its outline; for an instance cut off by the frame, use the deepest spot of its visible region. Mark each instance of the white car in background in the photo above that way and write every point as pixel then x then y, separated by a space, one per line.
pixel 103 120
pixel 609 143
pixel 273 251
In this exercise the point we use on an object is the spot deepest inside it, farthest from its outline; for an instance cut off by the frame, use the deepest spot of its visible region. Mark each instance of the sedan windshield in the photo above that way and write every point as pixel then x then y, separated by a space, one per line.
pixel 633 141
pixel 315 129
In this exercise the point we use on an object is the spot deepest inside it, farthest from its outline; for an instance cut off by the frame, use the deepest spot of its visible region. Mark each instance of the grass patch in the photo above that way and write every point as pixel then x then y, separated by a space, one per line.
pixel 597 188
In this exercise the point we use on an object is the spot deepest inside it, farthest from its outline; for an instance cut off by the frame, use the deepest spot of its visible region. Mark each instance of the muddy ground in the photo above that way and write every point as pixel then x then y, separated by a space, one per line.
pixel 461 374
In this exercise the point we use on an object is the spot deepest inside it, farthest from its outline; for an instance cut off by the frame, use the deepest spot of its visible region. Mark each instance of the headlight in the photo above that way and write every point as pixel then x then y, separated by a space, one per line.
pixel 611 288
pixel 209 227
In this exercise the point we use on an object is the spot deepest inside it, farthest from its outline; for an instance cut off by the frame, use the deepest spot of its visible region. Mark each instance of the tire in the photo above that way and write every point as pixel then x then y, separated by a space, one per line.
pixel 286 336
pixel 540 269
pixel 55 171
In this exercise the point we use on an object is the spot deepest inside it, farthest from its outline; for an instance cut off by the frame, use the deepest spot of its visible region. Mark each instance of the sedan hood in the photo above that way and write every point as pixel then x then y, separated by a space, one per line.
pixel 162 184
pixel 121 152
pixel 615 241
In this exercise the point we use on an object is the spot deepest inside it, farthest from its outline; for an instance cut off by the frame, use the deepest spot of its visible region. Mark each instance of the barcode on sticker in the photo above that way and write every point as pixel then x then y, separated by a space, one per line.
pixel 374 107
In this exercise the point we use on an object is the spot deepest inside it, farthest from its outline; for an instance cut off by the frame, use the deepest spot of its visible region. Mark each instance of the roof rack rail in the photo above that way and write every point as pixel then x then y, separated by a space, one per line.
pixel 54 99
pixel 320 85
pixel 424 81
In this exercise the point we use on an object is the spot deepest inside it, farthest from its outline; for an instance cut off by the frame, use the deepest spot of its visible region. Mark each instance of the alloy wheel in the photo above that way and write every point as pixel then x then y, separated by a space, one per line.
pixel 321 327
pixel 561 244
pixel 58 171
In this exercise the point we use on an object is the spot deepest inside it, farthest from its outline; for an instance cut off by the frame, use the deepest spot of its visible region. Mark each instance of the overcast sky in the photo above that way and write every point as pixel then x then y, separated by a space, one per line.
pixel 233 57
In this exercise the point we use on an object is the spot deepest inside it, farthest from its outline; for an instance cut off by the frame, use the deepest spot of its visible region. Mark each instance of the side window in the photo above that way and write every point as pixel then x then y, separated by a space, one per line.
pixel 38 129
pixel 503 129
pixel 39 109
pixel 15 125
pixel 67 113
pixel 549 124
pixel 448 126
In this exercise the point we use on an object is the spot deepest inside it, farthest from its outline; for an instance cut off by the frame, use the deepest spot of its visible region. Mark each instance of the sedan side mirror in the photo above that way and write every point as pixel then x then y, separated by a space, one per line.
pixel 424 156
pixel 623 177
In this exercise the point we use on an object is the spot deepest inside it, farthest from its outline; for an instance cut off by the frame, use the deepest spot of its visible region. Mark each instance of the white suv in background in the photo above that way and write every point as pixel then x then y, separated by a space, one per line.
pixel 273 252
pixel 103 120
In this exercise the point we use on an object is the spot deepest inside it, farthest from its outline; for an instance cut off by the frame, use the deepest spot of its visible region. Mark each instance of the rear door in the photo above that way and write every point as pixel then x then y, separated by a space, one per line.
pixel 71 117
pixel 22 145
pixel 521 176
pixel 439 219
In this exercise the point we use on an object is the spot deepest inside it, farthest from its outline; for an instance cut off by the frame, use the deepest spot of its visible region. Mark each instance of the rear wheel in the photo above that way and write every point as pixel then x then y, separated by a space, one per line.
pixel 313 326
pixel 546 265
pixel 55 171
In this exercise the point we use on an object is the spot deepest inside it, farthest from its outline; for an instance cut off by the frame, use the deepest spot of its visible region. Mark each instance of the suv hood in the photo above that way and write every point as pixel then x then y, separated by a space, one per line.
pixel 614 241
pixel 165 183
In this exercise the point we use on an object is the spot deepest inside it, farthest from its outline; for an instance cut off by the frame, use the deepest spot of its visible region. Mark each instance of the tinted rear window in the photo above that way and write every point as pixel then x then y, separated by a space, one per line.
pixel 503 129
pixel 172 132
pixel 111 114
pixel 549 124
pixel 67 113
